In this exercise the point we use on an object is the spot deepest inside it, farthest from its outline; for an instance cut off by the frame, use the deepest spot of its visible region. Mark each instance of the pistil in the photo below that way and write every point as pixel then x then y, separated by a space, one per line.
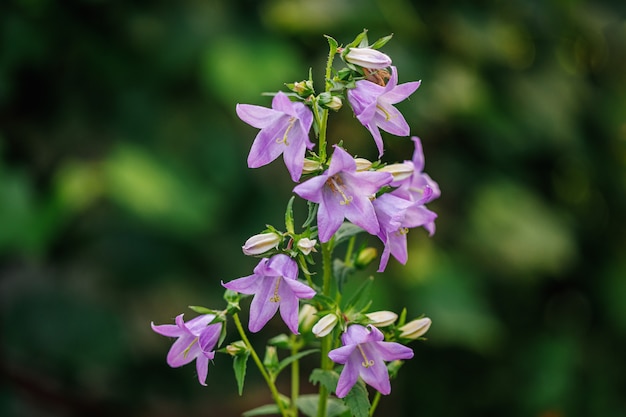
pixel 276 298
pixel 336 185
pixel 366 362
pixel 292 121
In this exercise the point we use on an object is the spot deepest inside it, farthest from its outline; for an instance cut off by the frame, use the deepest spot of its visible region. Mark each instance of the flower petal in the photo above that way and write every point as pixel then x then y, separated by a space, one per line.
pixel 202 367
pixel 244 285
pixel 257 116
pixel 262 309
pixel 169 330
pixel 391 351
pixel 349 376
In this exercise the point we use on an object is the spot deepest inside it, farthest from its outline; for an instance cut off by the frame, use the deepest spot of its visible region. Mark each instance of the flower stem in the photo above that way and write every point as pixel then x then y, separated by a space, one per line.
pixel 295 376
pixel 259 364
pixel 326 343
pixel 374 403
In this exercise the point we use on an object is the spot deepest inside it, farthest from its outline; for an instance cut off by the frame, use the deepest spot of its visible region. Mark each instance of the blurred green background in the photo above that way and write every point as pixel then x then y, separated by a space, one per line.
pixel 125 196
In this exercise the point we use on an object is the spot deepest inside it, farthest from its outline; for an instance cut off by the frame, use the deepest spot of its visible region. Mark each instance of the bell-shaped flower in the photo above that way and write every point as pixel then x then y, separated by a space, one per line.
pixel 342 192
pixel 274 285
pixel 196 339
pixel 363 354
pixel 419 186
pixel 284 130
pixel 373 106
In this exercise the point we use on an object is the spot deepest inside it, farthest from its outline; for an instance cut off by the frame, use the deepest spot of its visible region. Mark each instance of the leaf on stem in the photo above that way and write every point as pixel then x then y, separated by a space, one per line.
pixel 240 363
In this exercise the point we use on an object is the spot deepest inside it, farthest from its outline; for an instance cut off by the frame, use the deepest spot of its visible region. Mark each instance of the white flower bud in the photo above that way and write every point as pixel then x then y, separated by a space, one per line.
pixel 382 318
pixel 306 317
pixel 325 325
pixel 261 243
pixel 400 171
pixel 368 58
pixel 362 164
pixel 310 166
pixel 335 103
pixel 306 245
pixel 415 328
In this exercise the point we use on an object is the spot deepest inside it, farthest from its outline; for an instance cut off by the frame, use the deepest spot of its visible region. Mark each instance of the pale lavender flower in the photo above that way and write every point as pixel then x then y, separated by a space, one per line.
pixel 364 353
pixel 419 186
pixel 342 192
pixel 284 130
pixel 373 106
pixel 196 339
pixel 274 284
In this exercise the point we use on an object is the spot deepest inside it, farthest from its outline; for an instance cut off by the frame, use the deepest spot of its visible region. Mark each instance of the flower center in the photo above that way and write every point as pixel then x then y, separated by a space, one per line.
pixel 366 362
pixel 337 186
pixel 292 121
pixel 276 298
pixel 402 231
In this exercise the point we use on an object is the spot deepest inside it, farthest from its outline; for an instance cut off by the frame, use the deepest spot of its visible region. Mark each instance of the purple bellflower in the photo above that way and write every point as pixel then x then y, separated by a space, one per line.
pixel 342 192
pixel 196 339
pixel 419 186
pixel 274 284
pixel 373 106
pixel 364 354
pixel 284 130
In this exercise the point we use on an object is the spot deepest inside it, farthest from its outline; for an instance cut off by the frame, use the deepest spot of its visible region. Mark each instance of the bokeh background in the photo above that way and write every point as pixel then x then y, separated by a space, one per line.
pixel 125 196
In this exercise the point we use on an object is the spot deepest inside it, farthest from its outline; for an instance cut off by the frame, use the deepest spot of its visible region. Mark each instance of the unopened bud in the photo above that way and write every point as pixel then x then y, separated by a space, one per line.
pixel 311 166
pixel 414 329
pixel 236 348
pixel 368 58
pixel 306 245
pixel 306 317
pixel 400 172
pixel 261 243
pixel 365 257
pixel 325 325
pixel 382 318
pixel 302 88
pixel 335 103
pixel 362 164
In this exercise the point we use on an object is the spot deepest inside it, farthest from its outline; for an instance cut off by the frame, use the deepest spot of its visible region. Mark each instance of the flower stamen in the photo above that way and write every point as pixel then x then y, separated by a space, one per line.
pixel 292 121
pixel 336 185
pixel 186 351
pixel 276 298
pixel 366 362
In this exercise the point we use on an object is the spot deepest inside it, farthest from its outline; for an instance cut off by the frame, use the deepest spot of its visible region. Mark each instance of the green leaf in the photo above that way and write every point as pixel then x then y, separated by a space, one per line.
pixel 312 214
pixel 289 216
pixel 282 341
pixel 357 400
pixel 240 363
pixel 346 231
pixel 360 40
pixel 381 42
pixel 308 406
pixel 202 310
pixel 263 410
pixel 328 378
pixel 333 44
pixel 285 362
pixel 361 297
pixel 342 271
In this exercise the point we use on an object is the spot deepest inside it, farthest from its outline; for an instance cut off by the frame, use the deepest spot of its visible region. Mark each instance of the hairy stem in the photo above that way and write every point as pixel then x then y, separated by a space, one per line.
pixel 327 341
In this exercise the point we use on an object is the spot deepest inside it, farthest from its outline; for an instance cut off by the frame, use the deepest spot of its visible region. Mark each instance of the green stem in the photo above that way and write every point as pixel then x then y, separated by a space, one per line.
pixel 375 403
pixel 323 120
pixel 326 343
pixel 295 376
pixel 259 364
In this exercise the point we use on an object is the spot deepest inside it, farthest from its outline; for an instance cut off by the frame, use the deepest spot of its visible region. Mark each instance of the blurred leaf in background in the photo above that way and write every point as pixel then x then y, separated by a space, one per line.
pixel 124 196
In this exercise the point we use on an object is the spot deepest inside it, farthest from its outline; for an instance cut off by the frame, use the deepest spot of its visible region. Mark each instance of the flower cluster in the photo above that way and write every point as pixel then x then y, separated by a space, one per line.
pixel 346 196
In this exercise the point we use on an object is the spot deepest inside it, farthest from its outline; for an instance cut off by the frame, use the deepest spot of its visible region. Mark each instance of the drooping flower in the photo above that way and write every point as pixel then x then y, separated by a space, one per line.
pixel 274 285
pixel 342 192
pixel 373 106
pixel 196 339
pixel 419 186
pixel 396 216
pixel 364 353
pixel 284 130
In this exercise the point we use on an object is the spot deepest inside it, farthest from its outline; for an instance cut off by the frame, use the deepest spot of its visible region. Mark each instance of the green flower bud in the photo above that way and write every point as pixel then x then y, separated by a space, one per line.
pixel 365 257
